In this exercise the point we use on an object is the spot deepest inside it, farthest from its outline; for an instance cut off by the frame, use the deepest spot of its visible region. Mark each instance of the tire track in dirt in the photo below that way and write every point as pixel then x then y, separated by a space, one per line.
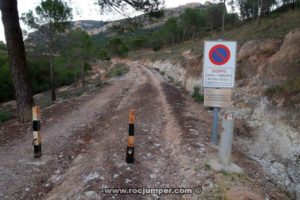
pixel 23 177
pixel 159 159
pixel 180 168
pixel 172 147
pixel 100 154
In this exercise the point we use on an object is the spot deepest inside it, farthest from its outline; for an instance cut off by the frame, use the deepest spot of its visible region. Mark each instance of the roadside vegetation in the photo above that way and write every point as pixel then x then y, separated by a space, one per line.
pixel 4 116
pixel 290 90
pixel 197 96
pixel 117 70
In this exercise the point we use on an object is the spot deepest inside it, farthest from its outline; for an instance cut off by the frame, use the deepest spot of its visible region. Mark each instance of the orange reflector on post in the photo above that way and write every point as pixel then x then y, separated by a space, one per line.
pixel 131 117
pixel 131 141
pixel 36 113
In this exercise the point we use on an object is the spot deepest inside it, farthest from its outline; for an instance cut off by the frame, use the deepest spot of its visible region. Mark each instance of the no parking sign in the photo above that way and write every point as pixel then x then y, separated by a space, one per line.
pixel 219 64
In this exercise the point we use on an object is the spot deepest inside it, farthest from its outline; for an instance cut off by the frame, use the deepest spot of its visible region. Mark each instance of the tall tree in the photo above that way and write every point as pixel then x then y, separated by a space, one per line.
pixel 172 29
pixel 194 20
pixel 80 50
pixel 215 12
pixel 117 47
pixel 51 18
pixel 17 58
pixel 255 8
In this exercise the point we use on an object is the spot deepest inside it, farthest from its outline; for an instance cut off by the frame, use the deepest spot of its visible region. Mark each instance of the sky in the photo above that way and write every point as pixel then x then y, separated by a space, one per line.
pixel 85 10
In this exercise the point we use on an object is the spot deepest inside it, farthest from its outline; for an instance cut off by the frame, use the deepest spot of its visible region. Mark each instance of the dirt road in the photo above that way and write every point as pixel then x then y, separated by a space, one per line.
pixel 84 145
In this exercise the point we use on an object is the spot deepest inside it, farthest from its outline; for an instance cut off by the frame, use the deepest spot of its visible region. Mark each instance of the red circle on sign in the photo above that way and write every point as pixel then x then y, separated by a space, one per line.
pixel 219 54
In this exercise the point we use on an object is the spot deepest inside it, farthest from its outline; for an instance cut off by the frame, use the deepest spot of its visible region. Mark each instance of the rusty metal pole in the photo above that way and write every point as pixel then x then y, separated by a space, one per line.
pixel 214 135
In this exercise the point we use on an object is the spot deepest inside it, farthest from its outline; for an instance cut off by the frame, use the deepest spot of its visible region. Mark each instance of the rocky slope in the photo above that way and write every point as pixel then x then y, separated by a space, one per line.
pixel 93 27
pixel 268 126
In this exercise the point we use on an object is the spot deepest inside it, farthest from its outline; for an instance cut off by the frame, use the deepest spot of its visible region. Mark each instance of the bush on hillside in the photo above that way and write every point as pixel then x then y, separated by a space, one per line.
pixel 197 96
pixel 4 116
pixel 118 70
pixel 290 87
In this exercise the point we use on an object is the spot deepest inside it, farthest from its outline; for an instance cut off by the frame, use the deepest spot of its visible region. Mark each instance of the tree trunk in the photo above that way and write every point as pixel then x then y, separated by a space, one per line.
pixel 173 43
pixel 52 80
pixel 173 40
pixel 223 20
pixel 17 59
pixel 75 79
pixel 193 35
pixel 253 7
pixel 261 12
pixel 82 75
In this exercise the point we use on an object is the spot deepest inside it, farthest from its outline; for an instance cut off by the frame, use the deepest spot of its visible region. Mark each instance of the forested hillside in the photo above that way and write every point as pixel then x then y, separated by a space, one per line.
pixel 71 84
pixel 118 38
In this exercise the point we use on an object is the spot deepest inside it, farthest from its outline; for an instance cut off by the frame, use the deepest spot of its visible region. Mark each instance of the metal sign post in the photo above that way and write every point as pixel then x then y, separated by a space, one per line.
pixel 214 136
pixel 219 65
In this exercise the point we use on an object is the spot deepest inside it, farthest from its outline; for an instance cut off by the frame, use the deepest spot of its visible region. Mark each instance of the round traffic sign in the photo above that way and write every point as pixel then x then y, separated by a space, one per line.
pixel 219 54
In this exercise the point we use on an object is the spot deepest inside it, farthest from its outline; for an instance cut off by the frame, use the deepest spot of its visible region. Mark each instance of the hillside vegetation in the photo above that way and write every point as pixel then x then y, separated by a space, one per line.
pixel 181 30
pixel 273 26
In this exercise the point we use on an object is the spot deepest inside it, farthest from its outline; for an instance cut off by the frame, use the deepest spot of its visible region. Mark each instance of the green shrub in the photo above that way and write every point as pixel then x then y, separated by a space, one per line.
pixel 171 79
pixel 156 48
pixel 162 73
pixel 118 70
pixel 45 102
pixel 4 116
pixel 290 87
pixel 117 47
pixel 273 90
pixel 6 84
pixel 197 96
pixel 99 84
pixel 40 77
pixel 239 74
pixel 103 55
pixel 79 93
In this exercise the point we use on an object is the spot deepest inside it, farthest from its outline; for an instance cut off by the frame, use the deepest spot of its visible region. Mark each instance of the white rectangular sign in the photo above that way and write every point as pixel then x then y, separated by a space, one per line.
pixel 219 63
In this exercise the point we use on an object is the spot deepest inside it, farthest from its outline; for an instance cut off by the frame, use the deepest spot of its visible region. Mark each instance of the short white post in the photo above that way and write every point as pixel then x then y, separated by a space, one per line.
pixel 226 139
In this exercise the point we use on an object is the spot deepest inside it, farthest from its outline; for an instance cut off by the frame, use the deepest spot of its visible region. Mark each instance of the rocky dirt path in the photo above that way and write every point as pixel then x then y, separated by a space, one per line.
pixel 84 150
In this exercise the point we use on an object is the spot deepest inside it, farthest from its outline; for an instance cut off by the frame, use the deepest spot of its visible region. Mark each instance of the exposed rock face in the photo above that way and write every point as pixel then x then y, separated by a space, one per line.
pixel 285 63
pixel 93 27
pixel 179 73
pixel 90 26
pixel 274 140
pixel 253 56
pixel 258 48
